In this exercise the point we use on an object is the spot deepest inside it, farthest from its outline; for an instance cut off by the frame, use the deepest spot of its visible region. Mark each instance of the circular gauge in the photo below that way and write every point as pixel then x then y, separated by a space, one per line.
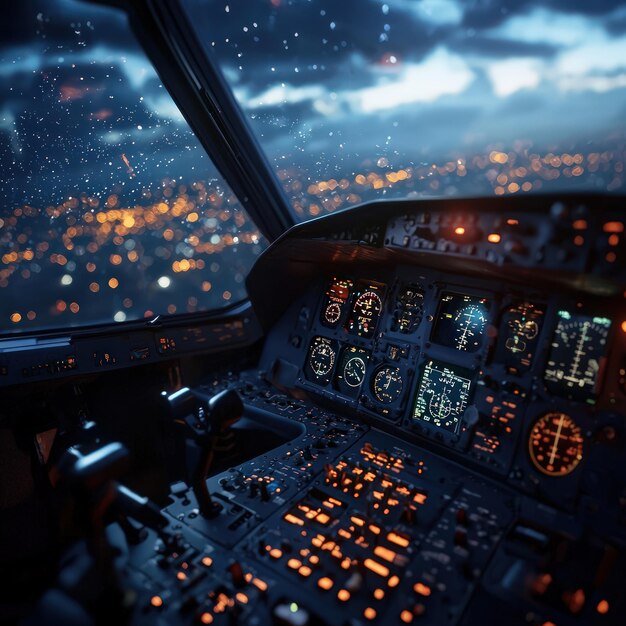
pixel 470 322
pixel 555 444
pixel 322 359
pixel 409 309
pixel 354 371
pixel 388 384
pixel 365 312
pixel 332 313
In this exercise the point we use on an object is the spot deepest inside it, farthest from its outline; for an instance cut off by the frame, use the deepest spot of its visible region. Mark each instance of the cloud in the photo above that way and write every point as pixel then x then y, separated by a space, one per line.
pixel 541 26
pixel 512 75
pixel 438 12
pixel 442 73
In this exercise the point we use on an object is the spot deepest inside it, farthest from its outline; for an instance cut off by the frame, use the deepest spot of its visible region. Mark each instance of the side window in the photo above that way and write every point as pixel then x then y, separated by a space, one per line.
pixel 110 210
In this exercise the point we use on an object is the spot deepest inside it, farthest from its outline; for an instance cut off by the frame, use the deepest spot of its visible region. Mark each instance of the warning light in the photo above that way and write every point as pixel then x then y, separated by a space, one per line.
pixel 493 238
pixel 459 230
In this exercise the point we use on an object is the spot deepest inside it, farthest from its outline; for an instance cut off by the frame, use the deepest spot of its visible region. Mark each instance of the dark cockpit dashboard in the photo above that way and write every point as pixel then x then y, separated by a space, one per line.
pixel 437 408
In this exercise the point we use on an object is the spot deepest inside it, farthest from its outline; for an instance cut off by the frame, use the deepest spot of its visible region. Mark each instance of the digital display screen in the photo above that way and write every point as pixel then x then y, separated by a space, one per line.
pixel 519 335
pixel 442 395
pixel 409 309
pixel 335 301
pixel 351 370
pixel 461 322
pixel 367 305
pixel 578 345
pixel 320 361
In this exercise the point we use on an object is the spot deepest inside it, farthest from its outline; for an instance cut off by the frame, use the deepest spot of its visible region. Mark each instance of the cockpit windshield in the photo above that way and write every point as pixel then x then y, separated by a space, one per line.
pixel 360 99
pixel 110 210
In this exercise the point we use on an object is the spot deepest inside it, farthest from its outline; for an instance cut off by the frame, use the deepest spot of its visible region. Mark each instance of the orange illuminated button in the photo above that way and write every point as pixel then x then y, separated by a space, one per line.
pixel 385 553
pixel 422 589
pixel 156 601
pixel 406 616
pixel 343 595
pixel 325 583
pixel 369 613
pixel 376 567
pixel 399 540
pixel 206 618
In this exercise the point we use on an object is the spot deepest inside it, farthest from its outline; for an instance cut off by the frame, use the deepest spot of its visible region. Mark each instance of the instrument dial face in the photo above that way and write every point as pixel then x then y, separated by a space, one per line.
pixel 555 444
pixel 332 313
pixel 335 301
pixel 351 370
pixel 321 360
pixel 409 309
pixel 461 322
pixel 578 345
pixel 519 335
pixel 388 384
pixel 354 371
pixel 365 312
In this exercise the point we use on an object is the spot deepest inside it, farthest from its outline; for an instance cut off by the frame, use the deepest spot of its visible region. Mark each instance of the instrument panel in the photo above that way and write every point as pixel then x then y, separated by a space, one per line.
pixel 512 380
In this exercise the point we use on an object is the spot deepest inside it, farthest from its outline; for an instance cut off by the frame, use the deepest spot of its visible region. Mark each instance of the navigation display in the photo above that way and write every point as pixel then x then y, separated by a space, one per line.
pixel 519 335
pixel 461 322
pixel 442 395
pixel 578 345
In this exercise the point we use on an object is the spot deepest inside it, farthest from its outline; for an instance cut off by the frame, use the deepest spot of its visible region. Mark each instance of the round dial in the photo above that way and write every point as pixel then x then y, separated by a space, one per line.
pixel 354 371
pixel 470 322
pixel 555 444
pixel 365 311
pixel 322 359
pixel 388 384
pixel 332 313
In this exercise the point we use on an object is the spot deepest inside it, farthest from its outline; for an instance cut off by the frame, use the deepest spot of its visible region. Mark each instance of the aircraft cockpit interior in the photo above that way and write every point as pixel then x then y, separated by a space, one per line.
pixel 312 313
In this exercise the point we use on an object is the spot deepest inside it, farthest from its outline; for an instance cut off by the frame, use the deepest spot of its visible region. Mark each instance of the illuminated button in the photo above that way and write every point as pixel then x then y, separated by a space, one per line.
pixel 207 561
pixel 385 553
pixel 394 581
pixel 275 553
pixel 603 607
pixel 305 571
pixel 206 618
pixel 369 613
pixel 156 602
pixel 343 595
pixel 261 585
pixel 399 540
pixel 325 583
pixel 422 589
pixel 294 563
pixel 379 594
pixel 406 616
pixel 376 567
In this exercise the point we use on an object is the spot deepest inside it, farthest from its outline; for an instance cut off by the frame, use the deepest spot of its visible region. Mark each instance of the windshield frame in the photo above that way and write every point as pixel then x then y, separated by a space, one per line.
pixel 198 87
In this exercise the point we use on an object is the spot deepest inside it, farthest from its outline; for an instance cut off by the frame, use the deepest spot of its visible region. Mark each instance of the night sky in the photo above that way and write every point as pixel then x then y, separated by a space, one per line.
pixel 420 79
pixel 103 183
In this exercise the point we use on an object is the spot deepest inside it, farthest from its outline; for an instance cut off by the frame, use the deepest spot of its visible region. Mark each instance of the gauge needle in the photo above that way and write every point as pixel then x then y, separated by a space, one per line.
pixel 556 440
